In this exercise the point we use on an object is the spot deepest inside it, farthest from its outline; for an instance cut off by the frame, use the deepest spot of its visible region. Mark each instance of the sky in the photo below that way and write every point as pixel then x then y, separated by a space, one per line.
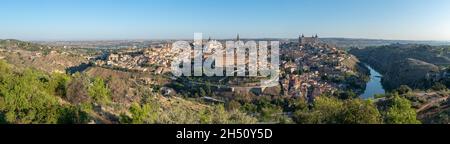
pixel 180 19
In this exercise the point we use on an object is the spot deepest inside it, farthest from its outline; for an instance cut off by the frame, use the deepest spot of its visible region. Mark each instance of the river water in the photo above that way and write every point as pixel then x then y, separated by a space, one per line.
pixel 374 86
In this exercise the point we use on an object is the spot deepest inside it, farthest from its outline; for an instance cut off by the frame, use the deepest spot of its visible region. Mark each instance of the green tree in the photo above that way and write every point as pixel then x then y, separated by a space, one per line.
pixel 439 87
pixel 358 111
pixel 403 89
pixel 398 110
pixel 233 105
pixel 347 95
pixel 58 84
pixel 326 110
pixel 5 71
pixel 297 104
pixel 249 108
pixel 237 117
pixel 204 117
pixel 24 100
pixel 72 115
pixel 219 115
pixel 330 110
pixel 99 92
pixel 141 114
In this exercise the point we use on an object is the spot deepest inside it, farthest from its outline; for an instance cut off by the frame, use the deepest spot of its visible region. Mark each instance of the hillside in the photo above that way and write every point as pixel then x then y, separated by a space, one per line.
pixel 29 96
pixel 362 43
pixel 12 44
pixel 404 64
pixel 411 72
pixel 46 58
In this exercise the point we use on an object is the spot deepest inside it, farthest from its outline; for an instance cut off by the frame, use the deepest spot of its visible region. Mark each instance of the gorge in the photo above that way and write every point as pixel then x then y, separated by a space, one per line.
pixel 374 86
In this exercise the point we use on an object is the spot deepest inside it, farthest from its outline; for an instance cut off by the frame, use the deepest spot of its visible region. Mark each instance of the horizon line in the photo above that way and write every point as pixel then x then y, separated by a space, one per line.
pixel 244 38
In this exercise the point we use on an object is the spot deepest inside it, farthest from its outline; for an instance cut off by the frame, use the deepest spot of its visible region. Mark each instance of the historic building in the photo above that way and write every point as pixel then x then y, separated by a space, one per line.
pixel 304 41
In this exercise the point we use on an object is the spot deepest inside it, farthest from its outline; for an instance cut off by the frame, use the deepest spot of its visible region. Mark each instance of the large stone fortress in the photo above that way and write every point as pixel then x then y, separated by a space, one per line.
pixel 311 41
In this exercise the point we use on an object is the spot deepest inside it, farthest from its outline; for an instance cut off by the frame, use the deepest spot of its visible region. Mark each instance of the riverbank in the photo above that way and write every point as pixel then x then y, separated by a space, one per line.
pixel 374 86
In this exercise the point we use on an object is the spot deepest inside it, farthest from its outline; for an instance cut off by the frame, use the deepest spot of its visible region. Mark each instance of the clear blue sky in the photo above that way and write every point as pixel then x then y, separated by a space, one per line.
pixel 160 19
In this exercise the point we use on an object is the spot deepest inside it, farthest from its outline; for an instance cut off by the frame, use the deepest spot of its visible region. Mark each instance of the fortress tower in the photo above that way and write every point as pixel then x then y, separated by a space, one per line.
pixel 303 41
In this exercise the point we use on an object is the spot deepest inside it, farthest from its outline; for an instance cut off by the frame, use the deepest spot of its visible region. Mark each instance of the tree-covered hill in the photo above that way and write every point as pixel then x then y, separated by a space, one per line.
pixel 405 64
pixel 17 44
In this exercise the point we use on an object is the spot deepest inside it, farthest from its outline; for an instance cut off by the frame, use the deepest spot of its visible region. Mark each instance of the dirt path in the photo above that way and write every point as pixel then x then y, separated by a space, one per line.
pixel 430 104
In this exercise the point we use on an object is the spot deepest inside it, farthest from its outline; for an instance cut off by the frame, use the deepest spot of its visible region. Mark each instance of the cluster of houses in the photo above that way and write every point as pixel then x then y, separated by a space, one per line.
pixel 155 60
pixel 307 64
pixel 305 70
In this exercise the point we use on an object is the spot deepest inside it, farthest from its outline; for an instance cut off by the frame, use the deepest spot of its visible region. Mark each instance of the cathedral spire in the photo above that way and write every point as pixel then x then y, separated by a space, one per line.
pixel 237 38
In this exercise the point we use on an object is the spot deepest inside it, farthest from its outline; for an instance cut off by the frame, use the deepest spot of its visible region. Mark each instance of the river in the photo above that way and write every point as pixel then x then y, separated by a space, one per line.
pixel 374 86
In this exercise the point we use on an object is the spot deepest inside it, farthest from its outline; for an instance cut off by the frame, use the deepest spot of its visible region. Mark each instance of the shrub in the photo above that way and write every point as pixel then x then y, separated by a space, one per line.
pixel 99 92
pixel 398 110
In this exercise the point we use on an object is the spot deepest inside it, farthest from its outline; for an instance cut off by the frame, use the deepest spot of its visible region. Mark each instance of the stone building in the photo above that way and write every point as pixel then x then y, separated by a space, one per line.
pixel 304 41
